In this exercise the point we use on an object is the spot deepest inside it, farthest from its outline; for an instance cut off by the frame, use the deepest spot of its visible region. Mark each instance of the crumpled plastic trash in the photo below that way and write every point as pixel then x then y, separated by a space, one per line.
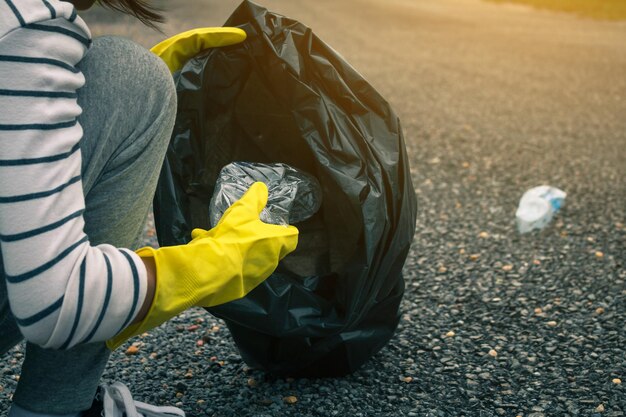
pixel 537 207
pixel 293 195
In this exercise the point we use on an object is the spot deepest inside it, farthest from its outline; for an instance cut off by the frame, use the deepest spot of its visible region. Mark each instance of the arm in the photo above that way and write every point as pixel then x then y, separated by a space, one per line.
pixel 151 286
pixel 63 291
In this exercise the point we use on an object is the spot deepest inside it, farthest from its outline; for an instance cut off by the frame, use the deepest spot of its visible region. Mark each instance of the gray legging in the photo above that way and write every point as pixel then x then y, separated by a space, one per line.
pixel 129 107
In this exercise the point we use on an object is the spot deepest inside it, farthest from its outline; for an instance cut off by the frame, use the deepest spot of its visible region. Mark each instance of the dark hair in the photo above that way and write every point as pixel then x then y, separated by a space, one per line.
pixel 149 15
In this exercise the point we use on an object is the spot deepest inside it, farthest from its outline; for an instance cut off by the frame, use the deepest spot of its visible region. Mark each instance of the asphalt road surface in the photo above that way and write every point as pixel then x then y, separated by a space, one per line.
pixel 494 99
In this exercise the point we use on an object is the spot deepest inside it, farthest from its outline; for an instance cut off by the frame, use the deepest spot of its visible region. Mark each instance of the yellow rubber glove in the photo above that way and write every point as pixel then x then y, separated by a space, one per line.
pixel 218 265
pixel 177 50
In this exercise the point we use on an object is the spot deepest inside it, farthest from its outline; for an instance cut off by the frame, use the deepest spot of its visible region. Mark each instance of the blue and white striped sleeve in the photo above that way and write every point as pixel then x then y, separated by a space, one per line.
pixel 62 290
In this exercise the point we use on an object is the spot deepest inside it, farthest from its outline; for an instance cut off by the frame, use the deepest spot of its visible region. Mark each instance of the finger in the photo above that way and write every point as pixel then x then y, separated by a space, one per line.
pixel 197 233
pixel 255 198
pixel 247 208
pixel 178 49
pixel 291 242
pixel 286 236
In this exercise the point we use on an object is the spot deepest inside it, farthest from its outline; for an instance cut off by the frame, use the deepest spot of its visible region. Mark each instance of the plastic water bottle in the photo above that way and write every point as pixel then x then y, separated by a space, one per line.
pixel 293 195
pixel 537 207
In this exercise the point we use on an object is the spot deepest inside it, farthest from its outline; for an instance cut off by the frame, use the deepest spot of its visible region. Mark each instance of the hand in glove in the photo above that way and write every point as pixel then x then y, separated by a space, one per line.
pixel 178 49
pixel 218 265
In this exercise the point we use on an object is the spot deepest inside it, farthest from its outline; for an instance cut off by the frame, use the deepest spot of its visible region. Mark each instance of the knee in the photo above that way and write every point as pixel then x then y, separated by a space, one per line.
pixel 135 75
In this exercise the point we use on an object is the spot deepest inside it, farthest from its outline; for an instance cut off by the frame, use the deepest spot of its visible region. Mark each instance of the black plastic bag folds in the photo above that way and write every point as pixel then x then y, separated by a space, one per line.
pixel 284 96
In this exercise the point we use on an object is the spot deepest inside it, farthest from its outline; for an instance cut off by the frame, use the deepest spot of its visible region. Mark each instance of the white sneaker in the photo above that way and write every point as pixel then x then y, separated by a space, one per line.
pixel 115 400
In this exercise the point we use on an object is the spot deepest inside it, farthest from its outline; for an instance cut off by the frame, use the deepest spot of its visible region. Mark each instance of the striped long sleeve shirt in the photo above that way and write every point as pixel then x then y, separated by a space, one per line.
pixel 62 290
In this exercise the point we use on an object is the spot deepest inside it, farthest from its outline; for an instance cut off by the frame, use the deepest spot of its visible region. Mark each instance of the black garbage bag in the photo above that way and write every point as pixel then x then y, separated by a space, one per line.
pixel 285 96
